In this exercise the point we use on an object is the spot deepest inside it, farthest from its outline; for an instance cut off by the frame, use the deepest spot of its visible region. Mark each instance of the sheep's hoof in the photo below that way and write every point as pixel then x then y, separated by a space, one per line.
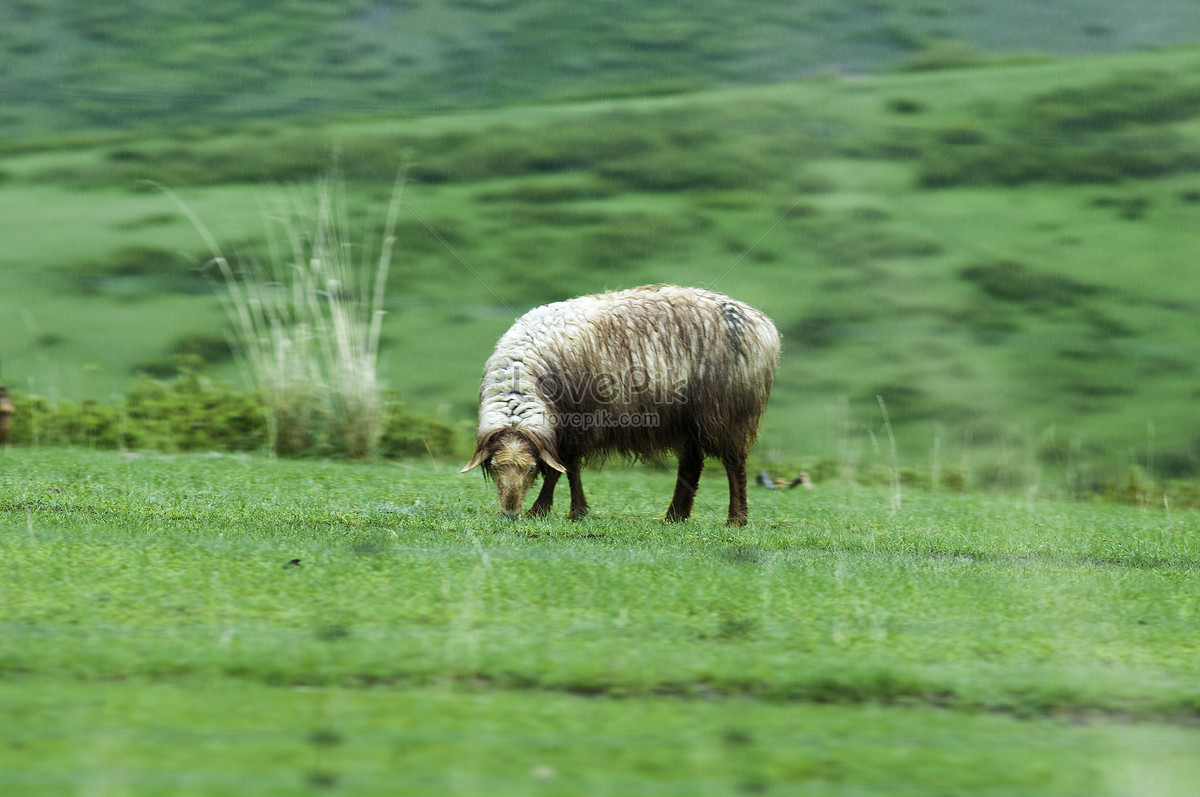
pixel 537 511
pixel 577 514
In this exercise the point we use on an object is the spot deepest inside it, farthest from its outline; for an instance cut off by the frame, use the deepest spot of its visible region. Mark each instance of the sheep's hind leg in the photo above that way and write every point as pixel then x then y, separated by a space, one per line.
pixel 691 463
pixel 579 504
pixel 735 469
pixel 545 498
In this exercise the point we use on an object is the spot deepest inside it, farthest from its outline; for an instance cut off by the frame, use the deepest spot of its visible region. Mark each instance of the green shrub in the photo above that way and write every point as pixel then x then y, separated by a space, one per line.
pixel 408 433
pixel 40 422
pixel 905 105
pixel 537 193
pixel 1013 281
pixel 1100 133
pixel 1180 494
pixel 681 170
pixel 820 330
pixel 132 271
pixel 1136 98
pixel 210 349
pixel 510 152
pixel 194 413
pixel 953 478
pixel 856 238
pixel 189 413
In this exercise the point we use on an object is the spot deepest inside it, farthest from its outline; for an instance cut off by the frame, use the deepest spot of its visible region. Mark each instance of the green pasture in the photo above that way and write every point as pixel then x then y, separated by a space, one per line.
pixel 983 265
pixel 217 623
pixel 1004 254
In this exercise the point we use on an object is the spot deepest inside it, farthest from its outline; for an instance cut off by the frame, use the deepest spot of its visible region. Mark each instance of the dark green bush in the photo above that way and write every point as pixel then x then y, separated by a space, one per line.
pixel 1137 98
pixel 408 433
pixel 906 403
pixel 905 105
pixel 512 152
pixel 38 421
pixel 194 413
pixel 99 22
pixel 191 413
pixel 1100 133
pixel 536 193
pixel 1132 208
pixel 211 349
pixel 684 170
pixel 133 271
pixel 857 239
pixel 820 330
pixel 1013 281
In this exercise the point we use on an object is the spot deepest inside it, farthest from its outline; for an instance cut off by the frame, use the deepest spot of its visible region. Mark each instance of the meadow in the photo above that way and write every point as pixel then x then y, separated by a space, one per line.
pixel 217 623
pixel 1002 253
pixel 983 268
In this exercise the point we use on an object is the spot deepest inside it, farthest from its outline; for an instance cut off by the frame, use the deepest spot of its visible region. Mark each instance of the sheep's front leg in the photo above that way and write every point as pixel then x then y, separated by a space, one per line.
pixel 735 469
pixel 687 481
pixel 579 504
pixel 545 498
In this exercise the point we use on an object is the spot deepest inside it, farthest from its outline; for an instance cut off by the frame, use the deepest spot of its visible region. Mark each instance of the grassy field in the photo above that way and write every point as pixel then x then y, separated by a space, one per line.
pixel 983 265
pixel 209 624
pixel 1004 254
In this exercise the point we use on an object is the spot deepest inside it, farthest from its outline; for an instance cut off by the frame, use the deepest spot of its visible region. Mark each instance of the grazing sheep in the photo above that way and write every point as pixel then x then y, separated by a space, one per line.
pixel 636 372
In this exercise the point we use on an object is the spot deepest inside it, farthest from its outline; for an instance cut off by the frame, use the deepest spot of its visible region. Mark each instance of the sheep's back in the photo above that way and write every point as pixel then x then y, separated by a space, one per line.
pixel 676 361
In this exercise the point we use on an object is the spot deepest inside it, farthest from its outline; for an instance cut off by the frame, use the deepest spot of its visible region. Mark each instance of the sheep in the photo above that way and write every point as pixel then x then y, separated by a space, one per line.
pixel 638 372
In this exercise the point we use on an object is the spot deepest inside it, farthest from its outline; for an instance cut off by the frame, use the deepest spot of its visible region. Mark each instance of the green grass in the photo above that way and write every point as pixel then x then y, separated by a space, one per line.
pixel 157 636
pixel 1026 330
pixel 998 244
pixel 157 738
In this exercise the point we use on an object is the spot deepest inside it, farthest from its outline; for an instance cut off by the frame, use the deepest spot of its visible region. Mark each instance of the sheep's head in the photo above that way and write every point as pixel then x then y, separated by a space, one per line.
pixel 513 460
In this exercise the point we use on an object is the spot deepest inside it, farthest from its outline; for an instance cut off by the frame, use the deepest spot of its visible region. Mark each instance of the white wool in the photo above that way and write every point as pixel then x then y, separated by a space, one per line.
pixel 508 393
pixel 508 397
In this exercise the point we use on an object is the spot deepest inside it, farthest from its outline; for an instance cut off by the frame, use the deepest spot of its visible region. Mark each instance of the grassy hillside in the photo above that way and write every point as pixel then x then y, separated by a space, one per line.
pixel 1005 254
pixel 223 624
pixel 73 64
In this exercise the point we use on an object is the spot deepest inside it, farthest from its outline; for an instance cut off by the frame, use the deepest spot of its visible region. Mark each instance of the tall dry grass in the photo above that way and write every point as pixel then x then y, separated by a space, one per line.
pixel 306 323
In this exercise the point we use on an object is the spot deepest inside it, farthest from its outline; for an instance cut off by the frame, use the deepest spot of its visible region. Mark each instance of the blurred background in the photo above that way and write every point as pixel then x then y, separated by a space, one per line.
pixel 975 223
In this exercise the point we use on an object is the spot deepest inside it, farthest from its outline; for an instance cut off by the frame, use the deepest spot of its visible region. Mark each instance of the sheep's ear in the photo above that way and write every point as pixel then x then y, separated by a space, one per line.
pixel 476 461
pixel 549 459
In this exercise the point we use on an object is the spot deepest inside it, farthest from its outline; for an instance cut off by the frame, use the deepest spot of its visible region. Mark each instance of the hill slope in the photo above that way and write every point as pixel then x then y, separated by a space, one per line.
pixel 73 64
pixel 1005 255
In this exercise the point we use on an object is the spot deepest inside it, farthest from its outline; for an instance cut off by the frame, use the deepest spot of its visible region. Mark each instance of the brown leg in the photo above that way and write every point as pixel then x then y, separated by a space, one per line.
pixel 691 463
pixel 735 469
pixel 579 504
pixel 545 498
